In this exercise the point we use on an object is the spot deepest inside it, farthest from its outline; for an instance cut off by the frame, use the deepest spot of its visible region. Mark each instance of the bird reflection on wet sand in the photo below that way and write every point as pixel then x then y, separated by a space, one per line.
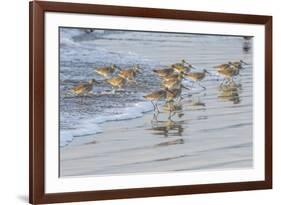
pixel 168 126
pixel 230 92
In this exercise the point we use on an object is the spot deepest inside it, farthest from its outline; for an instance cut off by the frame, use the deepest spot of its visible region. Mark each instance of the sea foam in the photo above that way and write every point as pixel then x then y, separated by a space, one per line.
pixel 92 126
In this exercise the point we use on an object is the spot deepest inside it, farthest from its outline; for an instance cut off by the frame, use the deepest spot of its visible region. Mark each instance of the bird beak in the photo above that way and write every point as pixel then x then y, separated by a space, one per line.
pixel 185 87
pixel 117 67
pixel 191 66
pixel 245 63
pixel 170 91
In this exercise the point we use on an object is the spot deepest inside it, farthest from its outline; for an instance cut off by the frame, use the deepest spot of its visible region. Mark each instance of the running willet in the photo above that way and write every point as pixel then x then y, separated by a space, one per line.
pixel 182 63
pixel 173 81
pixel 156 96
pixel 197 76
pixel 173 76
pixel 129 74
pixel 175 93
pixel 116 82
pixel 106 71
pixel 222 66
pixel 84 88
pixel 228 72
pixel 164 72
pixel 180 67
pixel 171 84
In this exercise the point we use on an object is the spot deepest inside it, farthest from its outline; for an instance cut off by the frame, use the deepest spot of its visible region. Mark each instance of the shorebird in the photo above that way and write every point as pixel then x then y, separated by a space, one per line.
pixel 84 88
pixel 228 73
pixel 173 76
pixel 171 84
pixel 157 96
pixel 164 72
pixel 129 74
pixel 179 64
pixel 197 76
pixel 180 67
pixel 239 64
pixel 106 71
pixel 222 66
pixel 173 81
pixel 116 82
pixel 174 94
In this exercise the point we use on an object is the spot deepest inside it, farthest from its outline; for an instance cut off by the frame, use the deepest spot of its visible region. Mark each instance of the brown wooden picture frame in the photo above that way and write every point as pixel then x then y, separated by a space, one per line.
pixel 37 193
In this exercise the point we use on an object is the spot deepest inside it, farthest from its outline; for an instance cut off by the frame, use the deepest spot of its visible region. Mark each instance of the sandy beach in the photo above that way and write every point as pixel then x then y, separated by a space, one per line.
pixel 117 133
pixel 143 146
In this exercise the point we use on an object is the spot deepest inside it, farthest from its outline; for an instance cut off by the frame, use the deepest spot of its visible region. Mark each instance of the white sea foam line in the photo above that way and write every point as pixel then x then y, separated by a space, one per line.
pixel 91 126
pixel 56 184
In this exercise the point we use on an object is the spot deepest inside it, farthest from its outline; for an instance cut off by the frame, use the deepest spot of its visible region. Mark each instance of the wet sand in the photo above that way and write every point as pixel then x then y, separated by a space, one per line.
pixel 212 130
pixel 197 140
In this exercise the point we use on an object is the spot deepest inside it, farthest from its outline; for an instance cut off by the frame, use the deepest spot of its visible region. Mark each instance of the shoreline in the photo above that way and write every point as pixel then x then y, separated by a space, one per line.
pixel 212 131
pixel 135 145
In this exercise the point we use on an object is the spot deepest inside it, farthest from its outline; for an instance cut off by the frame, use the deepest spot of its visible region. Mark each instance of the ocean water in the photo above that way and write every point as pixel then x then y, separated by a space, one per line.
pixel 208 111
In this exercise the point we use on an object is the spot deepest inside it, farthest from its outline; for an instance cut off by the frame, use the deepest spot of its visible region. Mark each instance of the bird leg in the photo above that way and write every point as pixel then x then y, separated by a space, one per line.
pixel 155 117
pixel 222 82
pixel 154 108
pixel 228 80
pixel 181 98
pixel 82 98
pixel 192 84
pixel 171 114
pixel 202 86
pixel 157 107
pixel 113 90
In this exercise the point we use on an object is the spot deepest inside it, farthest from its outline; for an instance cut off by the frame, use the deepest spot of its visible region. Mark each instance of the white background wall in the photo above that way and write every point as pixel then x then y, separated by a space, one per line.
pixel 14 100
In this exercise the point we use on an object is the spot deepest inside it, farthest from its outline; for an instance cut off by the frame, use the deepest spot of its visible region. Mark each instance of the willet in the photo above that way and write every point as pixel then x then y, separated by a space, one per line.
pixel 164 72
pixel 116 82
pixel 129 74
pixel 171 84
pixel 228 73
pixel 106 71
pixel 175 94
pixel 197 76
pixel 156 96
pixel 180 67
pixel 84 88
pixel 173 76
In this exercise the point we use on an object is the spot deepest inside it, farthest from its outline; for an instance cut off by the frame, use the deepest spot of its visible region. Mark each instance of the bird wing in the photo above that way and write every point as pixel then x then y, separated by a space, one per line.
pixel 78 87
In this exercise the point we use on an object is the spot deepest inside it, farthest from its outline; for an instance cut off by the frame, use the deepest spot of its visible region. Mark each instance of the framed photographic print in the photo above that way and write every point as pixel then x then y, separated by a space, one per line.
pixel 138 102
